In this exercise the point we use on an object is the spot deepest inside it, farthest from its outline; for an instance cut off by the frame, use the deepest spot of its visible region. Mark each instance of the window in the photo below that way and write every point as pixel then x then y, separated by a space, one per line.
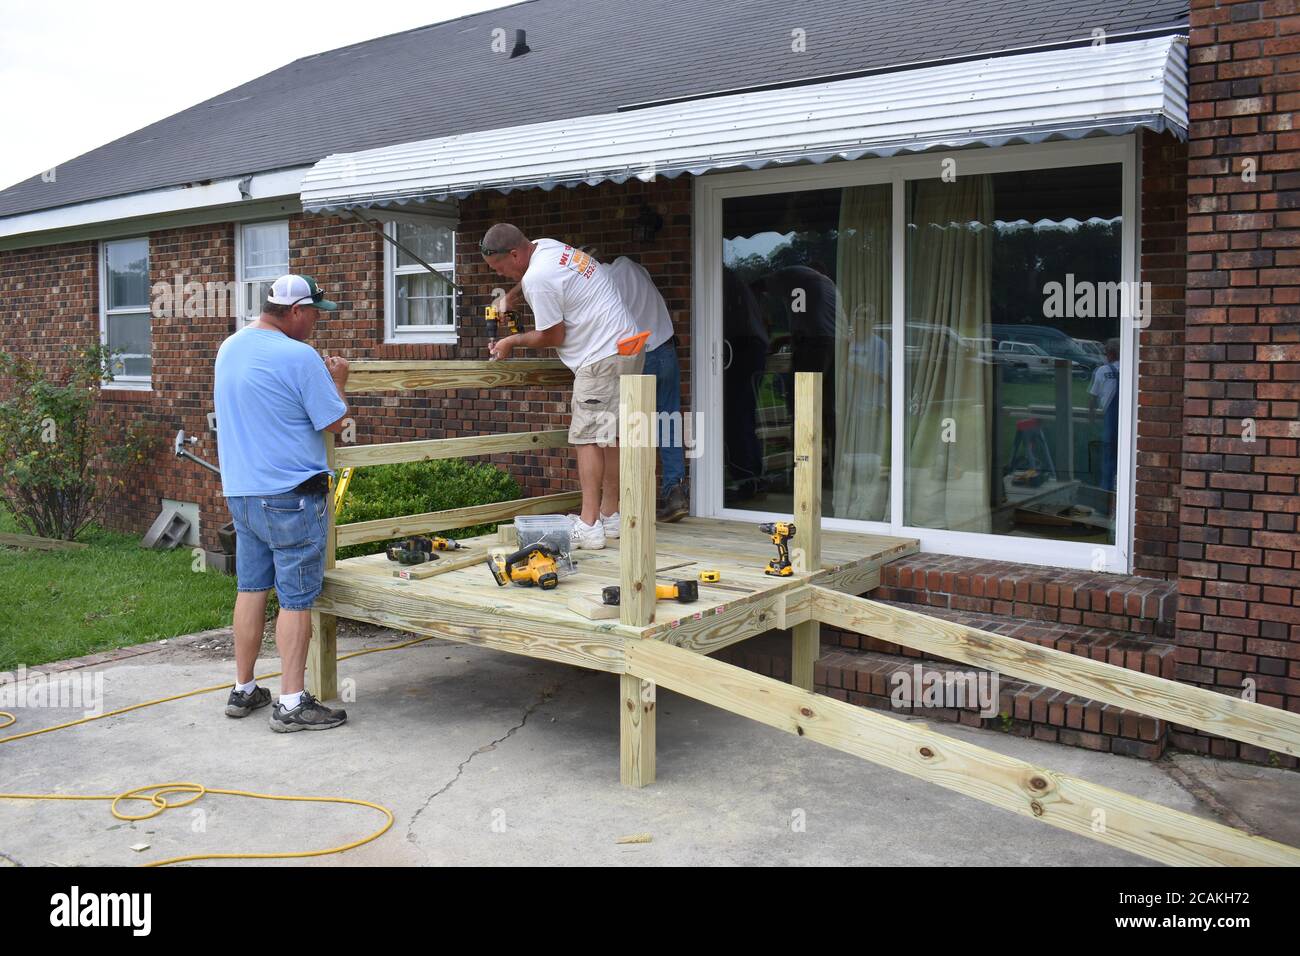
pixel 975 335
pixel 262 257
pixel 420 307
pixel 124 310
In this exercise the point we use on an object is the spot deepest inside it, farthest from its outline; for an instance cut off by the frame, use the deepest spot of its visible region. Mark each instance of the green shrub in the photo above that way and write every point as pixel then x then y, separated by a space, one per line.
pixel 390 491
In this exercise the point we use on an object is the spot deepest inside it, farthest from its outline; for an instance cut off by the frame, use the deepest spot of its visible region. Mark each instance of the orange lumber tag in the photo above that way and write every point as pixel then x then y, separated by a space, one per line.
pixel 632 344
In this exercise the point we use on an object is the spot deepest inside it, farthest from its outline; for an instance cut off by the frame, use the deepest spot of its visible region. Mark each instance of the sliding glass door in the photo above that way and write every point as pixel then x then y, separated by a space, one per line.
pixel 974 332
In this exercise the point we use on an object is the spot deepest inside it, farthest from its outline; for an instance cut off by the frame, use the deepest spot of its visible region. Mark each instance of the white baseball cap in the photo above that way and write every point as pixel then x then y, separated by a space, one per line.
pixel 299 290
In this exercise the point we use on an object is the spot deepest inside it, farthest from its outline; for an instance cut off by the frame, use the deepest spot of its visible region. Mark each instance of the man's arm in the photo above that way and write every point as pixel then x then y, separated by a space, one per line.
pixel 551 337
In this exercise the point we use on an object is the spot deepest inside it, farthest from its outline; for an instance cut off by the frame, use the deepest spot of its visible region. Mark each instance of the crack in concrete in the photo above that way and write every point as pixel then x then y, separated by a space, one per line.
pixel 548 693
pixel 1194 784
pixel 9 859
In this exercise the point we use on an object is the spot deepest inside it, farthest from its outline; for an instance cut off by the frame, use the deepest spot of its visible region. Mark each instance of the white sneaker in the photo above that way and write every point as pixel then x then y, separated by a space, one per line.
pixel 610 524
pixel 590 537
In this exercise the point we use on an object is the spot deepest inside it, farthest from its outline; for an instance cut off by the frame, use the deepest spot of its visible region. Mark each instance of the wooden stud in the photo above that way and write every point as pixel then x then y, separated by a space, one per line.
pixel 447 561
pixel 1267 727
pixel 40 544
pixel 377 376
pixel 1069 803
pixel 807 542
pixel 360 532
pixel 636 432
pixel 464 447
pixel 636 737
pixel 322 652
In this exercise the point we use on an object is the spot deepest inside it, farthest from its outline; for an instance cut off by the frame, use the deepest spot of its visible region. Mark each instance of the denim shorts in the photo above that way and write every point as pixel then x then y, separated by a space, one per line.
pixel 280 543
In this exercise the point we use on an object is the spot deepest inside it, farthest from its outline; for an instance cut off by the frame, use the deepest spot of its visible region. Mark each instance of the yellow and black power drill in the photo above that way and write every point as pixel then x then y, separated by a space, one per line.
pixel 781 532
pixel 420 548
pixel 683 592
pixel 494 318
pixel 532 566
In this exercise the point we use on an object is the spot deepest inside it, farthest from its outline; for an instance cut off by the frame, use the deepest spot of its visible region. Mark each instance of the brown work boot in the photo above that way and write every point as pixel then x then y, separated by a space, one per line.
pixel 676 504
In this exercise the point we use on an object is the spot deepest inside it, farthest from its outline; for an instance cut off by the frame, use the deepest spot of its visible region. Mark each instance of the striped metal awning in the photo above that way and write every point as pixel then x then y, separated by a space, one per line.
pixel 1032 97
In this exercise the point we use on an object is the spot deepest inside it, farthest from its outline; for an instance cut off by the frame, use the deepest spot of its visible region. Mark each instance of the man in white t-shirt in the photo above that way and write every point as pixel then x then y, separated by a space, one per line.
pixel 650 313
pixel 1104 392
pixel 576 311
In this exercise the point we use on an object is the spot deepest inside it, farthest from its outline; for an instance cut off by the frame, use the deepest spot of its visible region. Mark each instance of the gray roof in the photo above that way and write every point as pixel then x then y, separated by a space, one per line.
pixel 587 58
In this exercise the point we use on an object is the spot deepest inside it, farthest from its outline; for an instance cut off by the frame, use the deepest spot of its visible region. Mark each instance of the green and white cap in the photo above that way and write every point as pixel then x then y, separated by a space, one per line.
pixel 299 290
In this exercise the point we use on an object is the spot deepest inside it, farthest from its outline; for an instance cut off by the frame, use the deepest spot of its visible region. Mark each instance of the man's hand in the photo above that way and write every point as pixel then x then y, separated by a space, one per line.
pixel 338 368
pixel 502 348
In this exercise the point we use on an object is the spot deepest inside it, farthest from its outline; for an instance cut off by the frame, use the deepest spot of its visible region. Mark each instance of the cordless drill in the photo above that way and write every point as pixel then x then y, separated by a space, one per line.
pixel 493 318
pixel 781 532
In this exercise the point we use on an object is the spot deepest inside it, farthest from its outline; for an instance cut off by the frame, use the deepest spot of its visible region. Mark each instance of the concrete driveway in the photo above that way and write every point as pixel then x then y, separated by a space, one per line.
pixel 486 758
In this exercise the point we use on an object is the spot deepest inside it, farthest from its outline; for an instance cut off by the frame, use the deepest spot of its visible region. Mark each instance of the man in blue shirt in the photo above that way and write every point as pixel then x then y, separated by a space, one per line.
pixel 275 398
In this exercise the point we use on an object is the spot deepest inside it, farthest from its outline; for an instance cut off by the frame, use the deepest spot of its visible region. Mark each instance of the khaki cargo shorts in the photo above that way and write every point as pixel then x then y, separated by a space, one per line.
pixel 595 399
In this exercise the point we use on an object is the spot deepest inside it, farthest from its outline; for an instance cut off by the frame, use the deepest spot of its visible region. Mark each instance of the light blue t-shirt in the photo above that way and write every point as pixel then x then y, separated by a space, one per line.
pixel 274 397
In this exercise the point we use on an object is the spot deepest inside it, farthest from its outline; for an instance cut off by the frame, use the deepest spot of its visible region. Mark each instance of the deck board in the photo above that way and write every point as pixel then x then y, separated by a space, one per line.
pixel 683 549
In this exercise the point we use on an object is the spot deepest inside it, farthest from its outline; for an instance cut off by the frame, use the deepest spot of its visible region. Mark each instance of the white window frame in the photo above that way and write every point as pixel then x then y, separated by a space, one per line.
pixel 140 383
pixel 240 319
pixel 427 334
pixel 707 471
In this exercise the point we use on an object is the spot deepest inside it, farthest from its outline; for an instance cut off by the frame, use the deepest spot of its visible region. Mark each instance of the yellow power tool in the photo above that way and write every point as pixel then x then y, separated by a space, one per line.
pixel 781 532
pixel 532 566
pixel 494 318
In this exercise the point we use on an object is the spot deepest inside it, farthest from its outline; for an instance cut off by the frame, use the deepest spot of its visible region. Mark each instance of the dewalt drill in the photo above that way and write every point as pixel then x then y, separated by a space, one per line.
pixel 493 318
pixel 781 532
pixel 531 566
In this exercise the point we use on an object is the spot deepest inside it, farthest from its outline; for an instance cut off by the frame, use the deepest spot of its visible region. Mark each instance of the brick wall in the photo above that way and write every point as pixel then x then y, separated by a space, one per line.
pixel 1160 356
pixel 1239 613
pixel 49 303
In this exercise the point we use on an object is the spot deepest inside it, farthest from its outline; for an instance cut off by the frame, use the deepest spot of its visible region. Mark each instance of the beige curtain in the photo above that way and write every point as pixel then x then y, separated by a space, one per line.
pixel 949 391
pixel 862 429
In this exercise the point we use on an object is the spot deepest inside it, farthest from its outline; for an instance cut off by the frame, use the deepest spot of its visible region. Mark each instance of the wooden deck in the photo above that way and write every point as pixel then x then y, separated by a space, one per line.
pixel 467 605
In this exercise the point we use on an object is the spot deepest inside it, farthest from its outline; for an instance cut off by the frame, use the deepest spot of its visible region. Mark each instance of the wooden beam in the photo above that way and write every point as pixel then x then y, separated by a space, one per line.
pixel 409 606
pixel 636 554
pixel 446 561
pixel 636 500
pixel 1069 803
pixel 807 543
pixel 373 376
pixel 356 456
pixel 40 544
pixel 323 651
pixel 1267 727
pixel 359 532
pixel 636 736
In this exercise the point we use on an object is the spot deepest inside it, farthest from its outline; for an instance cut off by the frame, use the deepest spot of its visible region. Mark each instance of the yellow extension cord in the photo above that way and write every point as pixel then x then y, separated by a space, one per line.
pixel 156 794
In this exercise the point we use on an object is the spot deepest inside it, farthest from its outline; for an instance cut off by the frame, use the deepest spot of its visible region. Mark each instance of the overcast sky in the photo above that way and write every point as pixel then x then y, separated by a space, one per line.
pixel 77 74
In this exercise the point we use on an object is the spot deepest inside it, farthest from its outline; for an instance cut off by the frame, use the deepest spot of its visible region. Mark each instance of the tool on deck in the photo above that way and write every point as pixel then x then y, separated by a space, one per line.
pixel 420 548
pixel 684 592
pixel 710 577
pixel 632 344
pixel 493 317
pixel 533 565
pixel 781 532
pixel 340 489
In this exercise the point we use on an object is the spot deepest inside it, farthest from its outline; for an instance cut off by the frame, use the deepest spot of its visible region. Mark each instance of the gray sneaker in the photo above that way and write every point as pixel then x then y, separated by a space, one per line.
pixel 241 705
pixel 676 506
pixel 310 714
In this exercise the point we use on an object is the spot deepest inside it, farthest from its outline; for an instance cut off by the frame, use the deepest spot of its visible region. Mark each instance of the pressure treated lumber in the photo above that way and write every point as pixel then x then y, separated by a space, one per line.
pixel 446 561
pixel 807 541
pixel 322 676
pixel 372 376
pixel 381 529
pixel 1248 722
pixel 1105 815
pixel 40 544
pixel 465 447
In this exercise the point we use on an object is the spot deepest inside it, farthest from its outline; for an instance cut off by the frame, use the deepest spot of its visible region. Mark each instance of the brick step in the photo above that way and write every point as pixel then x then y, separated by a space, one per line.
pixel 1117 602
pixel 867 679
pixel 1147 653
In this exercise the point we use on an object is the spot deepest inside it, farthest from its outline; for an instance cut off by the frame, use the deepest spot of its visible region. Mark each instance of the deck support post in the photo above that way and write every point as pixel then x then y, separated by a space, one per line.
pixel 636 431
pixel 322 652
pixel 807 544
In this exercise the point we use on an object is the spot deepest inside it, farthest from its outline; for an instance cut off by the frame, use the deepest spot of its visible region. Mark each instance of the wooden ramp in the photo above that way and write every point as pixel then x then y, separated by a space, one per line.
pixel 652 644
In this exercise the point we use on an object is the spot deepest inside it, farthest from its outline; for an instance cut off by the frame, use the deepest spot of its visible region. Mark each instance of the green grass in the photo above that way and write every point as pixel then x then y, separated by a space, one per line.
pixel 60 604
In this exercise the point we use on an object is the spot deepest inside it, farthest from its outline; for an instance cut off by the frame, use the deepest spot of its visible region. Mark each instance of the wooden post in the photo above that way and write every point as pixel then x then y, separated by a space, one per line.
pixel 807 542
pixel 322 653
pixel 636 430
